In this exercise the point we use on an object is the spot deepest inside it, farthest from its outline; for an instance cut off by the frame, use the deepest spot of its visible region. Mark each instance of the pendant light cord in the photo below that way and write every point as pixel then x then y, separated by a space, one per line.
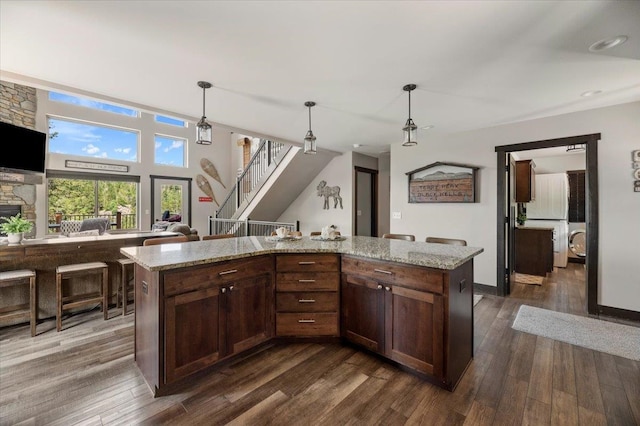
pixel 309 118
pixel 203 95
pixel 409 104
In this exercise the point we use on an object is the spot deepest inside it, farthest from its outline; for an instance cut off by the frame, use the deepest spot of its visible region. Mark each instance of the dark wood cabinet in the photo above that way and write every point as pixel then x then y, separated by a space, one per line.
pixel 399 312
pixel 534 251
pixel 211 312
pixel 414 329
pixel 525 181
pixel 362 312
pixel 307 298
pixel 193 338
pixel 249 313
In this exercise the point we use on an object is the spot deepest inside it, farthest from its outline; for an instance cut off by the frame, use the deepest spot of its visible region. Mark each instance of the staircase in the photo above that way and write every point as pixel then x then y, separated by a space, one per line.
pixel 274 177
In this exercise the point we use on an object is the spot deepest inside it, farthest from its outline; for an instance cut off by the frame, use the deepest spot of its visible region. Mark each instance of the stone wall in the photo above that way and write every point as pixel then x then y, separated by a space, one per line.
pixel 18 106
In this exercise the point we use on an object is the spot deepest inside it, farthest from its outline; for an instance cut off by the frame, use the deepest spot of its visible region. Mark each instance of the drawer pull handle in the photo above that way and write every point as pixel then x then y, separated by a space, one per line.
pixel 223 290
pixel 306 321
pixel 379 286
pixel 306 301
pixel 306 263
pixel 388 288
pixel 306 281
pixel 382 271
pixel 230 271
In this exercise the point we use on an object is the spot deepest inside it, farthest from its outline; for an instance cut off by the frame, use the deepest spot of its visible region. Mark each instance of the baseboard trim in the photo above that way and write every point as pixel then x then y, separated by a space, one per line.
pixel 485 289
pixel 619 313
pixel 576 260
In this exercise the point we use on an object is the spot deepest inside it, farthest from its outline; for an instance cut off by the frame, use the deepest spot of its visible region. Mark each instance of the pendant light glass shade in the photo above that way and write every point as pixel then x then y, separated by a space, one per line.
pixel 203 128
pixel 309 139
pixel 410 129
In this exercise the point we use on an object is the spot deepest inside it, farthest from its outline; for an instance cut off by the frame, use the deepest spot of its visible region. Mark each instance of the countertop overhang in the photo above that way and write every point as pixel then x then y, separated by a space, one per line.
pixel 180 255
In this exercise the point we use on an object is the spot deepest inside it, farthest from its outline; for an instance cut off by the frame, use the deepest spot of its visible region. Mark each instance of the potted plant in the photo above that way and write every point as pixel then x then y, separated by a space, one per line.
pixel 15 227
pixel 521 218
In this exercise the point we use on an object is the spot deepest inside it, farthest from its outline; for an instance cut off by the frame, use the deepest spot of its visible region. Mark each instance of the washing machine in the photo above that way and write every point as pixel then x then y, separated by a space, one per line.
pixel 578 243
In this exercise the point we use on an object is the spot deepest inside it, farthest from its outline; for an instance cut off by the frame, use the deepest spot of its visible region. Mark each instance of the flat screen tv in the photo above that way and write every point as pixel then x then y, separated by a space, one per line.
pixel 30 152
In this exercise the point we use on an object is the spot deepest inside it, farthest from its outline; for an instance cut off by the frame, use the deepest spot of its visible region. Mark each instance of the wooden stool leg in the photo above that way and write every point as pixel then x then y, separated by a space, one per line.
pixel 118 294
pixel 123 292
pixel 105 293
pixel 33 305
pixel 59 301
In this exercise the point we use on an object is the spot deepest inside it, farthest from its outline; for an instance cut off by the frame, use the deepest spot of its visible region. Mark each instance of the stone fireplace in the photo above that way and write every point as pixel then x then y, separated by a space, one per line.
pixel 18 106
pixel 8 211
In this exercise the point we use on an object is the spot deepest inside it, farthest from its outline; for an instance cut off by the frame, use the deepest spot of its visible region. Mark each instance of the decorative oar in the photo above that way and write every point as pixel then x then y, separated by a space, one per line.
pixel 203 184
pixel 211 170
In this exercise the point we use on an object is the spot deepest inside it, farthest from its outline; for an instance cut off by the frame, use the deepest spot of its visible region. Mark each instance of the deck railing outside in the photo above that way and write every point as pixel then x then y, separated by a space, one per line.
pixel 117 221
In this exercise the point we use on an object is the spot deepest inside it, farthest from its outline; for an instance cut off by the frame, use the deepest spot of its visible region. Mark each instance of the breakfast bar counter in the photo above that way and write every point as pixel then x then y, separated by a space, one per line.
pixel 44 254
pixel 202 302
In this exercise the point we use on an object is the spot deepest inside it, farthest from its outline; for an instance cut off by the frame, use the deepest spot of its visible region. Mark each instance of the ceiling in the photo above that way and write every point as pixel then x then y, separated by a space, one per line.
pixel 476 63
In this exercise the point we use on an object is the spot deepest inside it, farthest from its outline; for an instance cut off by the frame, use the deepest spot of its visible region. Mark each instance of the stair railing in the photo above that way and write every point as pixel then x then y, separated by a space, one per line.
pixel 251 176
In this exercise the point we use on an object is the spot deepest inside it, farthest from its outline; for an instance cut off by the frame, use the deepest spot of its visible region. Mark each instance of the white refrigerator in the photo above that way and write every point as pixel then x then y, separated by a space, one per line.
pixel 551 209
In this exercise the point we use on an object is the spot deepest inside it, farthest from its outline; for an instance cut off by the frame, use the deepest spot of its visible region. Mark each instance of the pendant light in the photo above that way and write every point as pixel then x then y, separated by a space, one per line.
pixel 203 129
pixel 309 139
pixel 410 129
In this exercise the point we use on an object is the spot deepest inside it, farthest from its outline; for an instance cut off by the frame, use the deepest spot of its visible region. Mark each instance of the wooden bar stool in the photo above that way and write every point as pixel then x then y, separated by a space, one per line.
pixel 24 311
pixel 68 302
pixel 126 278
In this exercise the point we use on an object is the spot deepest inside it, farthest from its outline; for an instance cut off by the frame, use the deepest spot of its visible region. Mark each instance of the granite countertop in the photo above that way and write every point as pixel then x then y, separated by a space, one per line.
pixel 74 240
pixel 171 256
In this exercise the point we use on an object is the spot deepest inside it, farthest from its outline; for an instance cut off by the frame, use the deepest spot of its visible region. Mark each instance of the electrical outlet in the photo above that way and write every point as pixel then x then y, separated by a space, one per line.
pixel 397 215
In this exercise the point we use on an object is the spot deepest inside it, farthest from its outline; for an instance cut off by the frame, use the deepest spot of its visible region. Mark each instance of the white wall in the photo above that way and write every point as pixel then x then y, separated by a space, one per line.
pixel 384 164
pixel 619 206
pixel 307 208
pixel 559 163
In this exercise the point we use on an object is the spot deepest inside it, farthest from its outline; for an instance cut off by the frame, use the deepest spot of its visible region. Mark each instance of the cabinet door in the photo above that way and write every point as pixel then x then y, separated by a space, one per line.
pixel 192 332
pixel 414 329
pixel 363 312
pixel 250 312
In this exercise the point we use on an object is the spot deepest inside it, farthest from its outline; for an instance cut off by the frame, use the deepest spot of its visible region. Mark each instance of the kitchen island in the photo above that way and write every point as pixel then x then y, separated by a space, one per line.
pixel 199 303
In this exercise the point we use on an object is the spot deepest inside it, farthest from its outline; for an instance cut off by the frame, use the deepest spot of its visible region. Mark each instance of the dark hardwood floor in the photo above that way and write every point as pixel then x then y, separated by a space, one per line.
pixel 86 375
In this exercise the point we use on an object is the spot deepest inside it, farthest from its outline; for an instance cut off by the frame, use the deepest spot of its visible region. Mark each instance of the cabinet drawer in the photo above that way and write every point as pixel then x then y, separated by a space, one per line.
pixel 181 281
pixel 307 281
pixel 308 262
pixel 393 273
pixel 307 324
pixel 319 301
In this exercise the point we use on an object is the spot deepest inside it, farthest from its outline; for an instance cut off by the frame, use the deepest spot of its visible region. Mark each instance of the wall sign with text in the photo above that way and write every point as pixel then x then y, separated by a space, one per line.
pixel 88 165
pixel 443 183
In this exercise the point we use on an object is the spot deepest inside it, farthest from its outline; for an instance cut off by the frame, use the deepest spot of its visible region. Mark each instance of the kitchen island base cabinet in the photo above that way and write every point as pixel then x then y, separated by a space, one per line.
pixel 393 310
pixel 307 297
pixel 208 313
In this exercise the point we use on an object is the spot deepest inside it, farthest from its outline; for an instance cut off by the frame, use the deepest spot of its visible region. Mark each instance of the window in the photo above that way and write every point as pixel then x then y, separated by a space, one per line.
pixel 78 196
pixel 88 103
pixel 169 151
pixel 170 121
pixel 92 140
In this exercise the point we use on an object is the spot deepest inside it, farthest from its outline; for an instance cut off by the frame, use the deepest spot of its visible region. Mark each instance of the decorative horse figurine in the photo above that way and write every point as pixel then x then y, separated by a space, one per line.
pixel 329 191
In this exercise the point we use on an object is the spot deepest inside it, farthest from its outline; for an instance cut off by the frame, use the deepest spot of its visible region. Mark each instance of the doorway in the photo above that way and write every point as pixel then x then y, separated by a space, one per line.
pixel 505 212
pixel 366 200
pixel 172 194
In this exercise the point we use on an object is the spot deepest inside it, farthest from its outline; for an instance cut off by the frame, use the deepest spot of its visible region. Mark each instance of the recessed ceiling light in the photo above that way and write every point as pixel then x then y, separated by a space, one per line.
pixel 591 93
pixel 430 126
pixel 608 43
pixel 357 145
